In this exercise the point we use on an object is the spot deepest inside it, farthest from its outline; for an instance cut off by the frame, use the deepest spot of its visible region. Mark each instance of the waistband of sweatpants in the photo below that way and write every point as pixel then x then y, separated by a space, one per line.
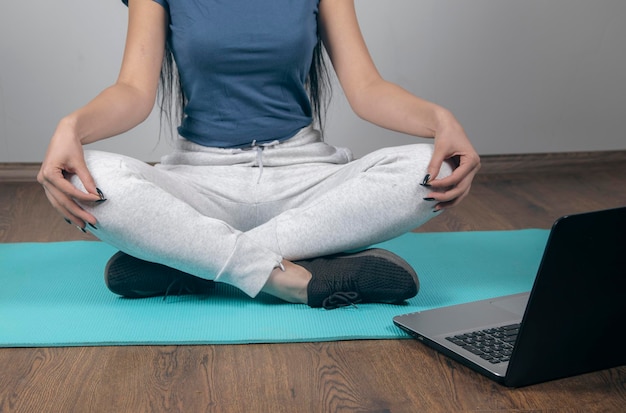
pixel 304 136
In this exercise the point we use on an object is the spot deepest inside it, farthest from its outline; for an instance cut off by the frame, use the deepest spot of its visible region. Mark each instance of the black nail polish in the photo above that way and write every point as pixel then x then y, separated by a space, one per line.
pixel 428 199
pixel 68 221
pixel 101 195
pixel 425 181
pixel 102 198
pixel 92 225
pixel 81 229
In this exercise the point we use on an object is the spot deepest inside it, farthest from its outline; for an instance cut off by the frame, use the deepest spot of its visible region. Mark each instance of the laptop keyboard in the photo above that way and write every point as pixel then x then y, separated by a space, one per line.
pixel 492 344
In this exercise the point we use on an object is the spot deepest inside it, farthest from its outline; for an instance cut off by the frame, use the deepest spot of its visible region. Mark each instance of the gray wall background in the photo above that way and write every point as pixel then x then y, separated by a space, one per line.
pixel 523 76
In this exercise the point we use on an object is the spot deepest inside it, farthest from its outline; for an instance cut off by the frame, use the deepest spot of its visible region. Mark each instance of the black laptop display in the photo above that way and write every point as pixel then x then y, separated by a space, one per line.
pixel 571 322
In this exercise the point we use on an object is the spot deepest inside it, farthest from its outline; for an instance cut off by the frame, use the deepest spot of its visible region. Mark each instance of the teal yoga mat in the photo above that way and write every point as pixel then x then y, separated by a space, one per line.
pixel 53 294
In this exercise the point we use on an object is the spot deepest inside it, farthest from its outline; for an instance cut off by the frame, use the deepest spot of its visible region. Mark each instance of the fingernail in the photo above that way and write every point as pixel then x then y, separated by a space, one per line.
pixel 67 220
pixel 82 229
pixel 92 225
pixel 101 195
pixel 428 199
pixel 425 181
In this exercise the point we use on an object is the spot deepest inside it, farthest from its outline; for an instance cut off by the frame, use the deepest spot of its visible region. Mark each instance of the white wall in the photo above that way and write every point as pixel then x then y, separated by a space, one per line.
pixel 523 76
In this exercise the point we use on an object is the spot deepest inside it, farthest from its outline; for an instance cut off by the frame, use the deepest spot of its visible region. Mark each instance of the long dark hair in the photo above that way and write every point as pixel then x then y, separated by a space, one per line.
pixel 172 99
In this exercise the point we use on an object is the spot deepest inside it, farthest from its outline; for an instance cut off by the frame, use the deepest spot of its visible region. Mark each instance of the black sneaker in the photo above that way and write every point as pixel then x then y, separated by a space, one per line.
pixel 370 276
pixel 131 277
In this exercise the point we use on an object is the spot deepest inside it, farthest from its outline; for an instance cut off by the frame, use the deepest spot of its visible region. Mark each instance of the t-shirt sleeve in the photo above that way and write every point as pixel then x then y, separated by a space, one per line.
pixel 161 2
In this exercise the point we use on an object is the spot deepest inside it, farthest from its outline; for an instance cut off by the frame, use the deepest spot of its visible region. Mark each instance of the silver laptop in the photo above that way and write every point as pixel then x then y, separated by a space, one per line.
pixel 571 322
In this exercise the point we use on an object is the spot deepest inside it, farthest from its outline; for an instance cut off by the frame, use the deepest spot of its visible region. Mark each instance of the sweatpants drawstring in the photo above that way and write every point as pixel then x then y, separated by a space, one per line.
pixel 259 154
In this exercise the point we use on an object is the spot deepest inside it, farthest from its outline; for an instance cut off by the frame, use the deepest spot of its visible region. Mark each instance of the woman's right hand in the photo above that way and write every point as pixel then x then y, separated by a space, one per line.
pixel 117 109
pixel 64 158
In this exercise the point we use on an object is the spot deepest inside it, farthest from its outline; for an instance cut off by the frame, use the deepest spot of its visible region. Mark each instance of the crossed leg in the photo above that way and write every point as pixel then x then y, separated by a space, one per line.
pixel 162 215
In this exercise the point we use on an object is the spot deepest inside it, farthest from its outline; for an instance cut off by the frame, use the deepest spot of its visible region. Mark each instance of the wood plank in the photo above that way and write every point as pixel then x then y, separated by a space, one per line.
pixel 19 171
pixel 540 162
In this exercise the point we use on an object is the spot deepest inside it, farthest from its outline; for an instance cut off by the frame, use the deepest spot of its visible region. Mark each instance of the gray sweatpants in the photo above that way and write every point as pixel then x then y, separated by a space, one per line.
pixel 232 215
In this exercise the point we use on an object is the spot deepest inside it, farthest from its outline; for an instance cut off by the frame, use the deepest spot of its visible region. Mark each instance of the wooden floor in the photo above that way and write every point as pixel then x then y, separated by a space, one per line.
pixel 353 376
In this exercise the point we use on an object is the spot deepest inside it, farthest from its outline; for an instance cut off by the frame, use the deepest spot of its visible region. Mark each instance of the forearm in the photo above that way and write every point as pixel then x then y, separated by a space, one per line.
pixel 390 106
pixel 116 110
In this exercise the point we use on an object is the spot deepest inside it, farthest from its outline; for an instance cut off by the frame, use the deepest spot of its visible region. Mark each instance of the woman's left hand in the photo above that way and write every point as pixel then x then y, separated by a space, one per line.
pixel 452 145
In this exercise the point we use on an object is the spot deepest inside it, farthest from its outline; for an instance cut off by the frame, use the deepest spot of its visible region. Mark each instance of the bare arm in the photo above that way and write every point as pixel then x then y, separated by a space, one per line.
pixel 117 109
pixel 390 106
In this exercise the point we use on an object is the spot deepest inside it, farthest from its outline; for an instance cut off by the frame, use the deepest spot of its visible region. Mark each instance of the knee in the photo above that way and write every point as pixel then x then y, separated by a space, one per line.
pixel 105 164
pixel 109 169
pixel 420 156
pixel 413 160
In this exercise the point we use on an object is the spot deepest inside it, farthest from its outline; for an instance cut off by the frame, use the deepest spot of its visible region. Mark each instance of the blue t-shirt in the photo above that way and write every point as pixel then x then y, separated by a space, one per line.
pixel 243 65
